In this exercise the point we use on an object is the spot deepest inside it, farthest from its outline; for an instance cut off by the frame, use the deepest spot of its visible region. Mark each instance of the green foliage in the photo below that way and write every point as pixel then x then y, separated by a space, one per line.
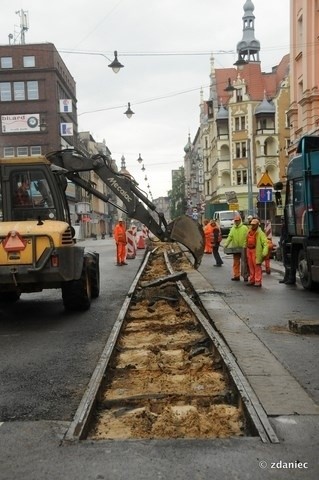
pixel 177 194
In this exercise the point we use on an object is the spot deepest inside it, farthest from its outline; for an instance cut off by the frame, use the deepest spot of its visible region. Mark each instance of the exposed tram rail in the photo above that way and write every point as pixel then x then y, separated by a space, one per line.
pixel 165 372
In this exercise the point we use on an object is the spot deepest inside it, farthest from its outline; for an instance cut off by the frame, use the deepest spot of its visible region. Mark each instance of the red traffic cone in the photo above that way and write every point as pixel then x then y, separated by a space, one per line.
pixel 141 242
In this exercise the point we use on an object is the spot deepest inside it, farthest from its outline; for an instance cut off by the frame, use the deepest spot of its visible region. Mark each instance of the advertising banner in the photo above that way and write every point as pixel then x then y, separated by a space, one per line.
pixel 20 123
pixel 66 105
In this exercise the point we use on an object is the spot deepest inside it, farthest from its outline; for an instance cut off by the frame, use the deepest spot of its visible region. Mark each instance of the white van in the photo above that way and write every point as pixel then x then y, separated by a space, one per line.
pixel 225 219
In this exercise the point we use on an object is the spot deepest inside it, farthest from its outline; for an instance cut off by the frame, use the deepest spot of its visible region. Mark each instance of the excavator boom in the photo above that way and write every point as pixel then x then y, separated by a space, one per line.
pixel 137 205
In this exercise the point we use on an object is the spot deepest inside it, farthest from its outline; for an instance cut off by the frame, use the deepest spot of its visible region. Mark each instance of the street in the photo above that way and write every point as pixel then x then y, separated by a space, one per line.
pixel 47 359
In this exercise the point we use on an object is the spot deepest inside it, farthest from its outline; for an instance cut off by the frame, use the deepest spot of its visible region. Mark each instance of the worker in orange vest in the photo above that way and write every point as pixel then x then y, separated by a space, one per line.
pixel 119 234
pixel 208 230
pixel 257 250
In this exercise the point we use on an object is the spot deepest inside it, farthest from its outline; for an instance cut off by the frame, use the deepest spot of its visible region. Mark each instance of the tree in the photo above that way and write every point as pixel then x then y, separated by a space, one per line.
pixel 178 201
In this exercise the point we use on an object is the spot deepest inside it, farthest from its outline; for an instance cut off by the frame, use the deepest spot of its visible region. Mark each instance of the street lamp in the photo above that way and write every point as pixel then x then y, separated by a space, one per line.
pixel 115 65
pixel 240 62
pixel 230 87
pixel 140 159
pixel 129 112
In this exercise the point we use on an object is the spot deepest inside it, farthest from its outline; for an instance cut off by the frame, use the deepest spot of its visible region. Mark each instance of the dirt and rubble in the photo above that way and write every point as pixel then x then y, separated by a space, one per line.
pixel 165 379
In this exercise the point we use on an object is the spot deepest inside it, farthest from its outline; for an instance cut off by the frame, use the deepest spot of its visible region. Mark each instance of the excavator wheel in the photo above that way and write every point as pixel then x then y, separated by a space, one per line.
pixel 94 273
pixel 77 294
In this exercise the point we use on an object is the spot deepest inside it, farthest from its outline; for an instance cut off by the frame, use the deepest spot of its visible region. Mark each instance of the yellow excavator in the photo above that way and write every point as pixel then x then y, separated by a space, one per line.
pixel 38 249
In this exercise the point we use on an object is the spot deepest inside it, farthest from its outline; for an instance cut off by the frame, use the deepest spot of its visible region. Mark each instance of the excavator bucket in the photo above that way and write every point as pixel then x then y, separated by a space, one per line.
pixel 189 233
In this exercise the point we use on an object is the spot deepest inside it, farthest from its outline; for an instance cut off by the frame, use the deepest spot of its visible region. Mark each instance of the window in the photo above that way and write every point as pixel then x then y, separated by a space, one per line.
pixel 21 91
pixel 238 153
pixel 33 90
pixel 35 151
pixel 29 61
pixel 5 92
pixel 239 95
pixel 8 152
pixel 6 62
pixel 240 123
pixel 22 151
pixel 18 91
pixel 243 149
pixel 31 196
pixel 241 177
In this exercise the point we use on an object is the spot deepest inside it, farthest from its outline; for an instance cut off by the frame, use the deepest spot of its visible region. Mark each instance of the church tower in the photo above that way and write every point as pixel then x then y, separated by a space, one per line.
pixel 248 48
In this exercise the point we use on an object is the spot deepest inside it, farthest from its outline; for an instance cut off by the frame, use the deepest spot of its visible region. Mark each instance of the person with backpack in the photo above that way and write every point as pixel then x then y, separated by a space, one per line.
pixel 216 239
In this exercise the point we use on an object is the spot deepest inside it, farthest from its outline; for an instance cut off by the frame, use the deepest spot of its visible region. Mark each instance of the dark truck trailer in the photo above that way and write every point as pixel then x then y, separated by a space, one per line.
pixel 300 235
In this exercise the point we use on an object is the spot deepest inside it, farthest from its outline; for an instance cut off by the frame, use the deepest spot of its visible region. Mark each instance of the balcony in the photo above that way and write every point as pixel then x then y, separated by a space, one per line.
pixel 265 131
pixel 223 136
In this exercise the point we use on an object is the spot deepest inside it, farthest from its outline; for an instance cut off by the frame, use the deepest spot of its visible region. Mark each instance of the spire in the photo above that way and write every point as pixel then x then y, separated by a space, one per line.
pixel 188 146
pixel 212 89
pixel 248 49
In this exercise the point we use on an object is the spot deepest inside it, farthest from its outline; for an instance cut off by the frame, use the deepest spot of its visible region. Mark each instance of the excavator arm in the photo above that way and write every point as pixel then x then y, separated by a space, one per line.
pixel 182 229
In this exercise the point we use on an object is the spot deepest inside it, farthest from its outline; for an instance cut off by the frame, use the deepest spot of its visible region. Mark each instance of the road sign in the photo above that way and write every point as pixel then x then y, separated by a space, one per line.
pixel 265 195
pixel 265 181
pixel 233 206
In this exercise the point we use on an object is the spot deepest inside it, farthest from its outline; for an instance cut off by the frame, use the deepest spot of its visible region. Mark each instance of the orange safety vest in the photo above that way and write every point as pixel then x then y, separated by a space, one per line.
pixel 119 233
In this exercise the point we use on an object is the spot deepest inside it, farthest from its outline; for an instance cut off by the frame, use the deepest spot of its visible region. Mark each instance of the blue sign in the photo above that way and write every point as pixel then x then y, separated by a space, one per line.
pixel 265 194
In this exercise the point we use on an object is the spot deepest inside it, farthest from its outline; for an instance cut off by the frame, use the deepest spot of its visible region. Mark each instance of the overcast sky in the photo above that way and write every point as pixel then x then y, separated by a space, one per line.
pixel 163 88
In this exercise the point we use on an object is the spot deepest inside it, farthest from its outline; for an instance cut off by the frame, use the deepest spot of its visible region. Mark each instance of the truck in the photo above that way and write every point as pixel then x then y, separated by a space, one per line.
pixel 225 219
pixel 38 248
pixel 300 228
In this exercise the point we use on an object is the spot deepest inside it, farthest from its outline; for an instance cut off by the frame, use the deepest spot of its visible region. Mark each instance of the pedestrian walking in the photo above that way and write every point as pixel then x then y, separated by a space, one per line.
pixel 121 242
pixel 216 238
pixel 257 250
pixel 237 239
pixel 208 236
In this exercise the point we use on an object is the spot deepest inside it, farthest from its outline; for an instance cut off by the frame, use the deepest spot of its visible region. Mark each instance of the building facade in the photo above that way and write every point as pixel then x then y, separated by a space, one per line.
pixel 303 114
pixel 38 101
pixel 244 132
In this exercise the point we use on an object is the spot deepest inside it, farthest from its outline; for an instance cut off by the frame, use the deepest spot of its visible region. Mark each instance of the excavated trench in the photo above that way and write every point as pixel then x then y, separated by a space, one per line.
pixel 164 377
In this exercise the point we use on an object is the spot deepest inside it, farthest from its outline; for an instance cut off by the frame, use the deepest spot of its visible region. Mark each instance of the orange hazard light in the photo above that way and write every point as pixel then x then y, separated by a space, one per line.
pixel 14 242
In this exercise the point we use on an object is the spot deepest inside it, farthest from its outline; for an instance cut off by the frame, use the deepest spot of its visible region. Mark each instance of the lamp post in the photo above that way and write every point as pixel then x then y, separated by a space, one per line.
pixel 115 64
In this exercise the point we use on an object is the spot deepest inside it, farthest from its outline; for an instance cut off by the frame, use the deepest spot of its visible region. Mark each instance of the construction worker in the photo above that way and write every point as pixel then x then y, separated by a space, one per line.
pixel 119 234
pixel 208 230
pixel 216 238
pixel 267 259
pixel 237 238
pixel 257 249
